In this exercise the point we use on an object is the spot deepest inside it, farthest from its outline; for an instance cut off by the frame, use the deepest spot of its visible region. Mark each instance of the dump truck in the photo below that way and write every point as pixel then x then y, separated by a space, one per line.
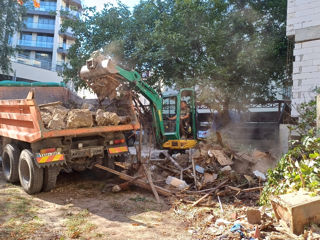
pixel 35 155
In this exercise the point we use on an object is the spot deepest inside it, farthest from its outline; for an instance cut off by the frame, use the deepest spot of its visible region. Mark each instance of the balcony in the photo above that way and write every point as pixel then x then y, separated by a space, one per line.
pixel 36 45
pixel 46 8
pixel 68 33
pixel 77 2
pixel 68 12
pixel 27 60
pixel 63 48
pixel 39 27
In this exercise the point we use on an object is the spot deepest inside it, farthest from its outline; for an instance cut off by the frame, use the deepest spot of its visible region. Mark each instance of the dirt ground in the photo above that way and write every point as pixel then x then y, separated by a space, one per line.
pixel 81 207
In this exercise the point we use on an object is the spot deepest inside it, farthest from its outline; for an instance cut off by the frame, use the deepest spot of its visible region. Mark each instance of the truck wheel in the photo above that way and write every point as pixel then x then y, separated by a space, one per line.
pixel 50 178
pixel 31 176
pixel 10 162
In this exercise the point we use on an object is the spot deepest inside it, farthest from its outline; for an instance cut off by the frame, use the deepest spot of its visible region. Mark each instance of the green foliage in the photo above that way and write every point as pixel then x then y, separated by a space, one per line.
pixel 10 20
pixel 299 168
pixel 103 30
pixel 233 50
pixel 307 119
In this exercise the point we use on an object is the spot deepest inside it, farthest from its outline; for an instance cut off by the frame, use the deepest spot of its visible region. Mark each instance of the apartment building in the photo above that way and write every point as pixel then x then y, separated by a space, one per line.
pixel 303 29
pixel 41 42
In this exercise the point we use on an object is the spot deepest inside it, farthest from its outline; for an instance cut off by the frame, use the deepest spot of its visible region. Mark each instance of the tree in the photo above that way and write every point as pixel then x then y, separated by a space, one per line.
pixel 232 51
pixel 10 19
pixel 103 31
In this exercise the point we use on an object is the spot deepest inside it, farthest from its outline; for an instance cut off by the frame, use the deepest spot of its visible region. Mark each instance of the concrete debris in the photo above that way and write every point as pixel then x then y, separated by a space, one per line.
pixel 253 216
pixel 56 117
pixel 106 118
pixel 180 184
pixel 46 117
pixel 221 157
pixel 209 178
pixel 57 123
pixel 78 118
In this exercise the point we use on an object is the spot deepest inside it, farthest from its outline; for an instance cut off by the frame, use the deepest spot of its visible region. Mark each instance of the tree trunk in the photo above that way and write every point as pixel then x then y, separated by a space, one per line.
pixel 225 116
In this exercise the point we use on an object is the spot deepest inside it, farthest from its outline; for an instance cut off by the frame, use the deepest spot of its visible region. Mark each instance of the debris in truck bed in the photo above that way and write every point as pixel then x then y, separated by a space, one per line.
pixel 106 118
pixel 78 118
pixel 56 117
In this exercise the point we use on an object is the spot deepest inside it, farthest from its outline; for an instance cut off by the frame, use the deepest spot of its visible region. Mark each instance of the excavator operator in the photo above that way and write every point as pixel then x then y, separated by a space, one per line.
pixel 184 119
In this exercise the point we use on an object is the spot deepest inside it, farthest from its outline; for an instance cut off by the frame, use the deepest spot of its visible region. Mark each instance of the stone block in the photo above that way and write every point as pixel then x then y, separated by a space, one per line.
pixel 297 210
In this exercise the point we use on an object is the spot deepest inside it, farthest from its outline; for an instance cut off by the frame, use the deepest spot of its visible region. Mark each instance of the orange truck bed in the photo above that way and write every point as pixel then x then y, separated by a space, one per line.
pixel 21 120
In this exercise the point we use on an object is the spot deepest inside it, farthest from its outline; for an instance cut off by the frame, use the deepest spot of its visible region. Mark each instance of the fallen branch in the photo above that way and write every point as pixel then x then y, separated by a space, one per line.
pixel 172 160
pixel 138 182
pixel 208 194
pixel 252 189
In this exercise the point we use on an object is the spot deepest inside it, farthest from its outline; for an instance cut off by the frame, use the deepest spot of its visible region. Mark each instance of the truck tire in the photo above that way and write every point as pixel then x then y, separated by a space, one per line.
pixel 50 178
pixel 31 176
pixel 10 163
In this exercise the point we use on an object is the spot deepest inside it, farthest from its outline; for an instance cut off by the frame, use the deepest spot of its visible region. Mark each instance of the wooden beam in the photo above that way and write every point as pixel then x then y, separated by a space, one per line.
pixel 138 182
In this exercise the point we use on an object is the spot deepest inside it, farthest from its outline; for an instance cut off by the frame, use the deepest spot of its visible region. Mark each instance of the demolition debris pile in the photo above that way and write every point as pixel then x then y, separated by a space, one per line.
pixel 56 117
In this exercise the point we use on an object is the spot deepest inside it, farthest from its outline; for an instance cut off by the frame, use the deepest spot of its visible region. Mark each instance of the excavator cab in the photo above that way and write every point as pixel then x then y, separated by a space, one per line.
pixel 179 119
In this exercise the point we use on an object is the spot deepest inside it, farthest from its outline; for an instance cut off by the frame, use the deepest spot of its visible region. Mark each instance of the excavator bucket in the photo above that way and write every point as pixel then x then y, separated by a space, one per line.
pixel 101 76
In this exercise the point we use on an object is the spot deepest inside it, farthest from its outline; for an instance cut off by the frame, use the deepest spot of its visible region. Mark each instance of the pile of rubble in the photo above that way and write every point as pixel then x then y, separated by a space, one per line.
pixel 56 117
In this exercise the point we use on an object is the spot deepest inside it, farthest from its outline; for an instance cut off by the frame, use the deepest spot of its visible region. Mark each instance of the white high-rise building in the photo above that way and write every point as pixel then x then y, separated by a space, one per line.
pixel 43 46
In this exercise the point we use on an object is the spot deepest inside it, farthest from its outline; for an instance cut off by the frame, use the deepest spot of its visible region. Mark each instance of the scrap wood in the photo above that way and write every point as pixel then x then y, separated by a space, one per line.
pixel 172 160
pixel 148 175
pixel 252 189
pixel 125 185
pixel 208 194
pixel 50 104
pixel 138 182
pixel 221 157
pixel 193 169
pixel 123 165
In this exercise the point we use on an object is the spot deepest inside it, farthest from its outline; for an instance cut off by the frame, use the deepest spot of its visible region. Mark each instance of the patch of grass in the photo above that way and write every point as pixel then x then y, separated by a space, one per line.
pixel 20 214
pixel 138 199
pixel 78 225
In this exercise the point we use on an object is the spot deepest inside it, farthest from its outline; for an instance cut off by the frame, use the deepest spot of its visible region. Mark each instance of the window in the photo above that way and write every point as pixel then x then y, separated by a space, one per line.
pixel 46 20
pixel 44 41
pixel 25 53
pixel 43 56
pixel 28 19
pixel 169 110
pixel 26 36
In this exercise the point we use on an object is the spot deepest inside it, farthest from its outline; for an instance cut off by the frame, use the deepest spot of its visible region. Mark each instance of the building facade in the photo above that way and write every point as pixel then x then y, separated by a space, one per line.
pixel 41 42
pixel 303 29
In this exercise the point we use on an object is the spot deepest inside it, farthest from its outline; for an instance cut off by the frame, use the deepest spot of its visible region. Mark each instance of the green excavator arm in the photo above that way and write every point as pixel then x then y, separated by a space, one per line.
pixel 104 69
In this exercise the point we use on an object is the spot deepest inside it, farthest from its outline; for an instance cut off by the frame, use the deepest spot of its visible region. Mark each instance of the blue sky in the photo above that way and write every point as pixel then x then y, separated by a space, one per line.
pixel 100 3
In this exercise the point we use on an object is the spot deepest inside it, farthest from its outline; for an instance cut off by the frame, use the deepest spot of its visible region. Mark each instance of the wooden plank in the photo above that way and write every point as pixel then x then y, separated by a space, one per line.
pixel 50 104
pixel 138 182
pixel 209 193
